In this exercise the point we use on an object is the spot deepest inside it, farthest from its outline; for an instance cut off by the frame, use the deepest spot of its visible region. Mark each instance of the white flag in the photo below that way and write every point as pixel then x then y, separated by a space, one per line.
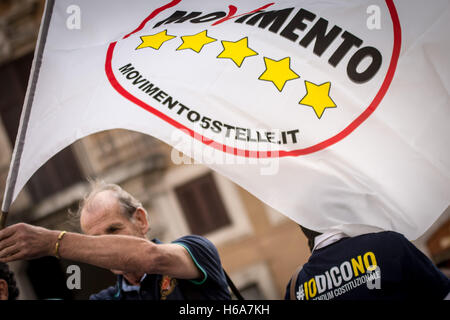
pixel 334 113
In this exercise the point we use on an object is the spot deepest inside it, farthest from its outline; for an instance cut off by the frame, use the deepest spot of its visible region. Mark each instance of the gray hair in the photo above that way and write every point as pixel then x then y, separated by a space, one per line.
pixel 127 202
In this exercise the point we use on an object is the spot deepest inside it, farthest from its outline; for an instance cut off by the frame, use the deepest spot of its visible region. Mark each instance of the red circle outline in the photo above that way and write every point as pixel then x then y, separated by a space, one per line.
pixel 265 154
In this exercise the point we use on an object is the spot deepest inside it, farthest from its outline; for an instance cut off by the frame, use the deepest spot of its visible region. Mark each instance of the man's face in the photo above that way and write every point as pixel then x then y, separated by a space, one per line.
pixel 102 215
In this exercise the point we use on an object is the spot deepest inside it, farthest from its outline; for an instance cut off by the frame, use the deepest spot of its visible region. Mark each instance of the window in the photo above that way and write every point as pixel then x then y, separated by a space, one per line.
pixel 189 197
pixel 202 205
pixel 62 170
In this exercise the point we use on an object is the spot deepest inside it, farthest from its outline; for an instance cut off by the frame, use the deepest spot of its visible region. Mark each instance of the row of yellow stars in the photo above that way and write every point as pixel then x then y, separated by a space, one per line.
pixel 278 72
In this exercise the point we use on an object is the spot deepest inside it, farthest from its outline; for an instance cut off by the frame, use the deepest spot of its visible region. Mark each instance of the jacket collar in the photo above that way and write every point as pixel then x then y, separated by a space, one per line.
pixel 327 238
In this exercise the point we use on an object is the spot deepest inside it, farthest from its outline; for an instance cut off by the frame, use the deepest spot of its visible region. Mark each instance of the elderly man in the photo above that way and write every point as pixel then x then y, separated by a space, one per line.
pixel 115 226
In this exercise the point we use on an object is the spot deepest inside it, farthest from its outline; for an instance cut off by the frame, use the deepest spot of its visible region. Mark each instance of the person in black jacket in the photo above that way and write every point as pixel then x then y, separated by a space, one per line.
pixel 382 265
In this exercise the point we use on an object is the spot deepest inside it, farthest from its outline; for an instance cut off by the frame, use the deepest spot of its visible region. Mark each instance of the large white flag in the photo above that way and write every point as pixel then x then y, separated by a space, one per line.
pixel 335 113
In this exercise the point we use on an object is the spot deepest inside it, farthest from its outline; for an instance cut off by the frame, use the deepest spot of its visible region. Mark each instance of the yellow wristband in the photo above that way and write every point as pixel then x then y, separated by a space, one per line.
pixel 60 236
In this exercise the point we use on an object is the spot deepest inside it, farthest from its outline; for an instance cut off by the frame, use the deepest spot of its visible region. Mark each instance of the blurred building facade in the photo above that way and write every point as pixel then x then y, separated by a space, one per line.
pixel 259 247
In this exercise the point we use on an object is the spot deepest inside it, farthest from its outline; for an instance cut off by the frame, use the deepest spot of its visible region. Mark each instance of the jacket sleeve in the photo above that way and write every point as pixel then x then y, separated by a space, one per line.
pixel 206 257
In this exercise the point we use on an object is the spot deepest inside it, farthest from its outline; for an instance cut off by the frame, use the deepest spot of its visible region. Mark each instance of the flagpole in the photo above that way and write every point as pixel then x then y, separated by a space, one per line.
pixel 26 111
pixel 3 217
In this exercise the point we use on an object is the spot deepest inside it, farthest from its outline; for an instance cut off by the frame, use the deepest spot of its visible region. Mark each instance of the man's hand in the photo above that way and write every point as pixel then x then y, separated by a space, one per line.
pixel 23 242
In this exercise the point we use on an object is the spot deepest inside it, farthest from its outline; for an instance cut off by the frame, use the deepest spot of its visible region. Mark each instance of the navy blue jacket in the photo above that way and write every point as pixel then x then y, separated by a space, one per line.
pixel 382 265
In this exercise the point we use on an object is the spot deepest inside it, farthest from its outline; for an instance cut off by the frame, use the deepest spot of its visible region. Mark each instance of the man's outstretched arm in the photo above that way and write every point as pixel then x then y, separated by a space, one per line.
pixel 115 252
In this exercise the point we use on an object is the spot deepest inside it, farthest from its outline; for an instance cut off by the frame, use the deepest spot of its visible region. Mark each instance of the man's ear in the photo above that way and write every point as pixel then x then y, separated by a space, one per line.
pixel 140 217
pixel 3 289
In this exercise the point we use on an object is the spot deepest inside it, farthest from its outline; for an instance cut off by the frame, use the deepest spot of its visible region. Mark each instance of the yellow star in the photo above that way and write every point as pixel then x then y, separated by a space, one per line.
pixel 196 41
pixel 278 72
pixel 155 41
pixel 236 51
pixel 318 97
